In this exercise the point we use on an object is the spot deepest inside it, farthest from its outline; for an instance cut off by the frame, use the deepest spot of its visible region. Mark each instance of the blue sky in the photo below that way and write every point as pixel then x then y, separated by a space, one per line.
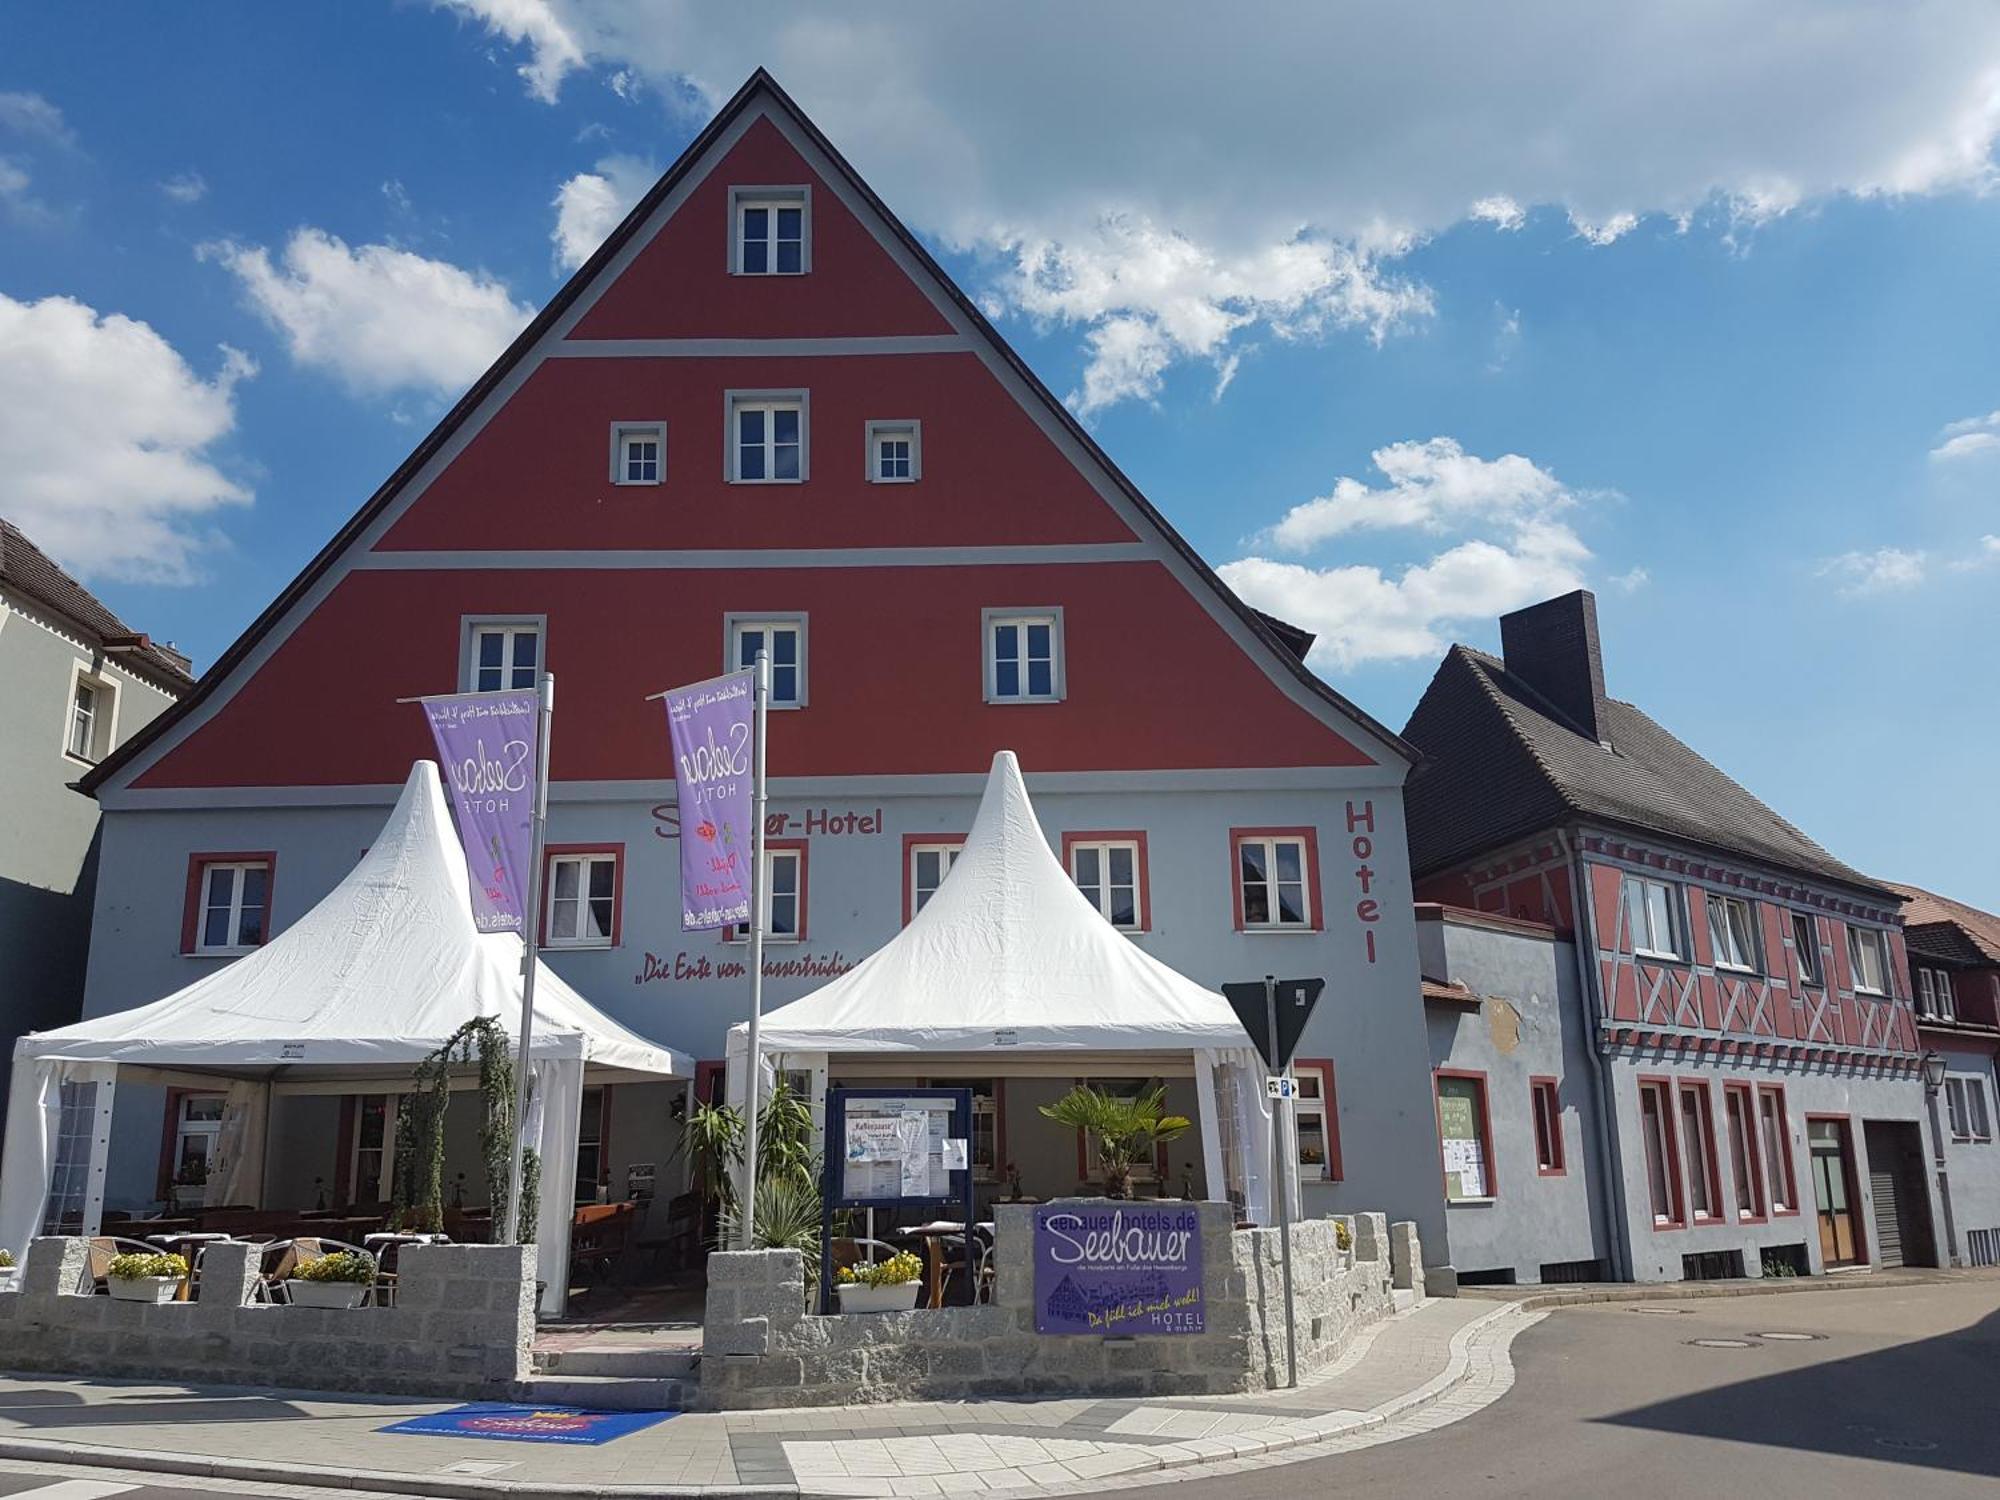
pixel 1707 329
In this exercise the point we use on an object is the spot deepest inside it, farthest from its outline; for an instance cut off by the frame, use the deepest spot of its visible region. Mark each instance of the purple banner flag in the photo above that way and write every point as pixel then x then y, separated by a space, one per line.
pixel 712 725
pixel 486 744
pixel 1118 1269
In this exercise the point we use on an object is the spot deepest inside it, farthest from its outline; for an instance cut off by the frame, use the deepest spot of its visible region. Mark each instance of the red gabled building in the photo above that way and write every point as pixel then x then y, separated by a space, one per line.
pixel 761 416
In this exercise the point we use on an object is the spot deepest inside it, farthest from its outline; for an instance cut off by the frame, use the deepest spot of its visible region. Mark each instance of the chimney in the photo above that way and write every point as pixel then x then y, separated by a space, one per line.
pixel 1552 646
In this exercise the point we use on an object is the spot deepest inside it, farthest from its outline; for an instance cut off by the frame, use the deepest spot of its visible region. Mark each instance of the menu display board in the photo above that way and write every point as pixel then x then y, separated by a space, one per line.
pixel 895 1146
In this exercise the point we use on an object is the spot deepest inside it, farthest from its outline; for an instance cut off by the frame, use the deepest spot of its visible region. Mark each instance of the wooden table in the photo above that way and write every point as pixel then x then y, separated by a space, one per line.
pixel 934 1235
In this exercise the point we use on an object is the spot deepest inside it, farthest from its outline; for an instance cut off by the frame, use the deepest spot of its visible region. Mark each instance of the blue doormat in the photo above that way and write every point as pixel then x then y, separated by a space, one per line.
pixel 531 1424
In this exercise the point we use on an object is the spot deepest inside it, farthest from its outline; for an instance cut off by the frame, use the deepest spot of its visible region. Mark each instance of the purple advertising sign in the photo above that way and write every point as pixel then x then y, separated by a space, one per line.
pixel 1118 1269
pixel 712 725
pixel 486 744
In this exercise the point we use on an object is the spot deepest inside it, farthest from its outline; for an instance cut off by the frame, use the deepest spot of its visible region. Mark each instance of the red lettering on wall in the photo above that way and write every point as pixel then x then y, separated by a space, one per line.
pixel 1368 910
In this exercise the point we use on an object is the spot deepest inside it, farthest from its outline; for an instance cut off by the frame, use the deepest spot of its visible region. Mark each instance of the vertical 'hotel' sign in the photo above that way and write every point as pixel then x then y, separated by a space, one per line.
pixel 486 742
pixel 713 725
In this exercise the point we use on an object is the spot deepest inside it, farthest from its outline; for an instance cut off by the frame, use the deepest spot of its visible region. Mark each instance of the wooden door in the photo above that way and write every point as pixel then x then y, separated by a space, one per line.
pixel 1833 1192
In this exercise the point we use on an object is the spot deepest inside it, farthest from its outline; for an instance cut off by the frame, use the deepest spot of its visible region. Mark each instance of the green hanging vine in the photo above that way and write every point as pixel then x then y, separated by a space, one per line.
pixel 419 1175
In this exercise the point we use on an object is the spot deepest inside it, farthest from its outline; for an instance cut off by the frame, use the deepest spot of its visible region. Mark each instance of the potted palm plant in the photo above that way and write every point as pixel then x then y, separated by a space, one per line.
pixel 341 1279
pixel 886 1286
pixel 138 1277
pixel 1124 1128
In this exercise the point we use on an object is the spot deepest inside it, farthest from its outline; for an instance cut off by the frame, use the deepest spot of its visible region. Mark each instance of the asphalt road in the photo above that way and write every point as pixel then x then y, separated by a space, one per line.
pixel 1897 1394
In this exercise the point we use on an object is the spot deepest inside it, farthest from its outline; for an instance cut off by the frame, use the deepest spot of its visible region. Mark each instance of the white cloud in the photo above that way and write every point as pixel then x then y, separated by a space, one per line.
pixel 1631 580
pixel 1965 439
pixel 185 187
pixel 1500 211
pixel 1435 485
pixel 590 205
pixel 106 439
pixel 1365 612
pixel 1886 570
pixel 1411 120
pixel 1361 613
pixel 379 318
pixel 33 116
pixel 1985 554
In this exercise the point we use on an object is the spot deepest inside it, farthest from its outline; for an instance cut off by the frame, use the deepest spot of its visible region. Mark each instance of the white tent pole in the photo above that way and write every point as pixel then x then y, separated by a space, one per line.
pixel 748 1215
pixel 531 931
pixel 1215 1176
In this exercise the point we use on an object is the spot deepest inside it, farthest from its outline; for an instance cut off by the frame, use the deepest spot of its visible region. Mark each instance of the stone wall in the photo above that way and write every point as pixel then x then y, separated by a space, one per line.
pixel 461 1327
pixel 761 1348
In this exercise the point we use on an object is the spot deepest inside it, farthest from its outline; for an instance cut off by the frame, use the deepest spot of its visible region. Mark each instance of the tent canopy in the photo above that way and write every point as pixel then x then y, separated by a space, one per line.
pixel 1007 953
pixel 382 970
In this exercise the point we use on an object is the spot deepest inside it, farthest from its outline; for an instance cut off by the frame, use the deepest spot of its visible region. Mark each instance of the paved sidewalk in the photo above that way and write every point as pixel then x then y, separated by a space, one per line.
pixel 1415 1371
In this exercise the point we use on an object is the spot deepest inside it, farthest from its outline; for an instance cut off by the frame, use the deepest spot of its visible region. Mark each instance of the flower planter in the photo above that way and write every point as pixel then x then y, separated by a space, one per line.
pixel 326 1293
pixel 900 1297
pixel 145 1288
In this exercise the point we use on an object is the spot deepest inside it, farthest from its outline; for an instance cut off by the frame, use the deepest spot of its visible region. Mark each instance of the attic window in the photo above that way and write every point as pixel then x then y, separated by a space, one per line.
pixel 770 231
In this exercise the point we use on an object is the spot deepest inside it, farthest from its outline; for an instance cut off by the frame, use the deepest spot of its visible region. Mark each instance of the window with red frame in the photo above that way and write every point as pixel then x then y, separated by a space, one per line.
pixel 1777 1136
pixel 1316 1120
pixel 1663 1168
pixel 1277 879
pixel 1698 1138
pixel 1465 1136
pixel 1545 1103
pixel 228 904
pixel 1746 1170
pixel 581 887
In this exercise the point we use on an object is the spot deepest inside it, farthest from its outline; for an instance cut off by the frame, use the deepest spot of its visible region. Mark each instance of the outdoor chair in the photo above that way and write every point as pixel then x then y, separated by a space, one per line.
pixel 847 1252
pixel 597 1239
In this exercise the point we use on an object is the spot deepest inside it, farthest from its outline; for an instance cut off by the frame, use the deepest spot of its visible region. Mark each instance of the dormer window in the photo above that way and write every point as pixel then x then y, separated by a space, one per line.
pixel 770 231
pixel 638 452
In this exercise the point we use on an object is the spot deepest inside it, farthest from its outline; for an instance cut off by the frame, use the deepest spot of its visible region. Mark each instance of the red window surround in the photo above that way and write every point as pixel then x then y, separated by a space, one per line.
pixel 913 841
pixel 1310 838
pixel 1740 1096
pixel 1779 1173
pixel 1324 1067
pixel 1485 1127
pixel 1545 1116
pixel 1116 836
pixel 1662 1091
pixel 550 852
pixel 1708 1161
pixel 197 873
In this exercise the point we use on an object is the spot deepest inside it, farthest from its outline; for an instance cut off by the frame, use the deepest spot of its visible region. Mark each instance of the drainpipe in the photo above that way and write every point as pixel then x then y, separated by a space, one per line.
pixel 1583 920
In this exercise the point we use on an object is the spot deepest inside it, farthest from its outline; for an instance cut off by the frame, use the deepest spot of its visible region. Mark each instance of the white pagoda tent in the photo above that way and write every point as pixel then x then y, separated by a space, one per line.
pixel 355 993
pixel 1009 963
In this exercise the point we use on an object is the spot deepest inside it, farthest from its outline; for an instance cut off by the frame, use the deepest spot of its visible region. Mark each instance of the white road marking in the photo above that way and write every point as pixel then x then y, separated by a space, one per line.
pixel 74 1489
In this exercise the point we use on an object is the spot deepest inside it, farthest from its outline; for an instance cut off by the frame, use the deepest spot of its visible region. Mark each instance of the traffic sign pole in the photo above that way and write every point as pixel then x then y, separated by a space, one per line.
pixel 1281 1180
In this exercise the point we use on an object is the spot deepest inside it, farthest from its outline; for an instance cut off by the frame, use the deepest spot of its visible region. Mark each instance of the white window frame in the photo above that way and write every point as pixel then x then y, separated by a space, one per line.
pixel 623 433
pixel 1314 1106
pixel 740 932
pixel 1722 905
pixel 186 1129
pixel 772 197
pixel 382 1189
pixel 947 853
pixel 1805 942
pixel 766 401
pixel 1699 1152
pixel 1868 939
pixel 586 864
pixel 1669 906
pixel 1100 897
pixel 733 628
pixel 1980 1118
pixel 991 620
pixel 235 946
pixel 1935 999
pixel 879 432
pixel 1955 1114
pixel 1269 844
pixel 472 627
pixel 103 714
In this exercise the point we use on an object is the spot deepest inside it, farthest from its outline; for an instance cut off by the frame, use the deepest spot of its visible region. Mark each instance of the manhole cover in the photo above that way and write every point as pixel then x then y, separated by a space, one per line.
pixel 1790 1338
pixel 1721 1344
pixel 1668 1312
pixel 1907 1445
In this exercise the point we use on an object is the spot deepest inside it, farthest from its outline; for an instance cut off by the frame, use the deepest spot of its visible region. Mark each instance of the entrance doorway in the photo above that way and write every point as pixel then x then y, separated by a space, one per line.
pixel 1832 1146
pixel 1896 1187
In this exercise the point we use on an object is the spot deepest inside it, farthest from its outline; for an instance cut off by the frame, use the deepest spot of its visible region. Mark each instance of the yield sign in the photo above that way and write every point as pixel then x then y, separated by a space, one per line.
pixel 1296 998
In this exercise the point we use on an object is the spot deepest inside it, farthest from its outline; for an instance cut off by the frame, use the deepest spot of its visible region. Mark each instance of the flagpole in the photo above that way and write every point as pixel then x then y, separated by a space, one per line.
pixel 748 1213
pixel 531 932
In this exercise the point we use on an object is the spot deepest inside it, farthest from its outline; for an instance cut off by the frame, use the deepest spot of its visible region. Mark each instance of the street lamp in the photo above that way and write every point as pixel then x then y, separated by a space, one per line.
pixel 1934 1066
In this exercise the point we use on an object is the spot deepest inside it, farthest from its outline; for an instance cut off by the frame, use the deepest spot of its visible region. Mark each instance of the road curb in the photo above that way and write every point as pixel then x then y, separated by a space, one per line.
pixel 1691 1291
pixel 1306 1432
